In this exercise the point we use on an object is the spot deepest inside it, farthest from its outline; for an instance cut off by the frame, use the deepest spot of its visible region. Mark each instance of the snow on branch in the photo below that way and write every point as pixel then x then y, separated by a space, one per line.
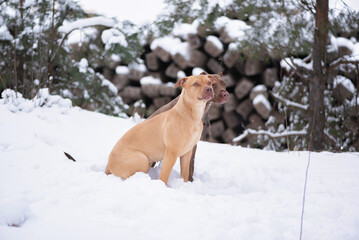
pixel 289 103
pixel 87 22
pixel 268 133
pixel 79 24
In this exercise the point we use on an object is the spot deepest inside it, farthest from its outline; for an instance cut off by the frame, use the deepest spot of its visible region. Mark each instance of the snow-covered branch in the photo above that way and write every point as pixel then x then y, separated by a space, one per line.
pixel 79 24
pixel 87 22
pixel 288 102
pixel 268 133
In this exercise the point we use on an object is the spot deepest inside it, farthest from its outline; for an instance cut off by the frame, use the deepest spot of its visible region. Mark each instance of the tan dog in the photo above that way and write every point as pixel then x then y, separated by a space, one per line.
pixel 221 96
pixel 167 136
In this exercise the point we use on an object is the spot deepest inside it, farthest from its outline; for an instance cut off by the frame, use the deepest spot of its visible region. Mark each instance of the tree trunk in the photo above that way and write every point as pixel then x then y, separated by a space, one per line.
pixel 317 84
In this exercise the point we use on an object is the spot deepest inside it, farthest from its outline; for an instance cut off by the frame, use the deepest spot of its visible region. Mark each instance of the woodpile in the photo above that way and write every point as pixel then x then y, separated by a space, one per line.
pixel 248 81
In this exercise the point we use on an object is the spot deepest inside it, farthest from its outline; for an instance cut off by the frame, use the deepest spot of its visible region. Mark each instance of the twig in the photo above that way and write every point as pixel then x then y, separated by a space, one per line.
pixel 288 102
pixel 269 134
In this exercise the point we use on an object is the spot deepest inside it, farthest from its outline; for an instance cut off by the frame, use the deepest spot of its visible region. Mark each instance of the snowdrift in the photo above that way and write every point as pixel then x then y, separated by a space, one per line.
pixel 237 193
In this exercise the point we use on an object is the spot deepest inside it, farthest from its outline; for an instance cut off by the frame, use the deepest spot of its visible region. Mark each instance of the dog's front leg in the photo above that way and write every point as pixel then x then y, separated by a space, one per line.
pixel 168 163
pixel 185 165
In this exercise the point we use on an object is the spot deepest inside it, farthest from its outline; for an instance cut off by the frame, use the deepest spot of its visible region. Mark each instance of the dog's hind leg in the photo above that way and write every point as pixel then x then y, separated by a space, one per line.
pixel 128 163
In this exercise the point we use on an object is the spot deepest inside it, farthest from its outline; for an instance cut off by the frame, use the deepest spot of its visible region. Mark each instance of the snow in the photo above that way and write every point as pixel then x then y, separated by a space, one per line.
pixel 184 29
pixel 139 66
pixel 182 48
pixel 237 193
pixel 346 82
pixel 110 86
pixel 291 63
pixel 215 41
pixel 86 22
pixel 5 35
pixel 150 80
pixel 113 36
pixel 83 64
pixel 197 71
pixel 259 88
pixel 122 70
pixel 167 43
pixel 288 102
pixel 260 98
pixel 83 35
pixel 268 133
pixel 236 29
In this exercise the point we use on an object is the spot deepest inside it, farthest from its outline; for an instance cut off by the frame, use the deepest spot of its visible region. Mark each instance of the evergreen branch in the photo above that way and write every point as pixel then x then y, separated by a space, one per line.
pixel 289 103
pixel 341 61
pixel 269 134
pixel 79 24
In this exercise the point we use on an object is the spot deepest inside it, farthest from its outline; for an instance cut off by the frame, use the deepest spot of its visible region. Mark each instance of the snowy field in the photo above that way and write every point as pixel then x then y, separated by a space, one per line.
pixel 238 193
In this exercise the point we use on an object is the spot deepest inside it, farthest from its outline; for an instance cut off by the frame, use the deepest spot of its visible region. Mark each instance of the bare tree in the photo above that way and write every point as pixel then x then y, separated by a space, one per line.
pixel 317 84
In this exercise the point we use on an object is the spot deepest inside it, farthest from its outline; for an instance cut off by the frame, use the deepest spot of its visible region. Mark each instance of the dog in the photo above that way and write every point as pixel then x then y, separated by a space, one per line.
pixel 221 96
pixel 169 135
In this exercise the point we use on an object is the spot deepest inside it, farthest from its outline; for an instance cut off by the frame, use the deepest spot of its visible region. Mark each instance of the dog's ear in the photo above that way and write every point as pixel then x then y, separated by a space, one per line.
pixel 203 73
pixel 212 79
pixel 181 82
pixel 220 74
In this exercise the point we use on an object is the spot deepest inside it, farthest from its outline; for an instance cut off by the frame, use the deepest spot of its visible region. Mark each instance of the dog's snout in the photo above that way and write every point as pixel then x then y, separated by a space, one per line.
pixel 209 89
pixel 225 94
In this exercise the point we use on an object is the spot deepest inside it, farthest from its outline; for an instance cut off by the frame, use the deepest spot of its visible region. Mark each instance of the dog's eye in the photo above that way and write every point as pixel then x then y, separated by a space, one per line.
pixel 195 84
pixel 209 83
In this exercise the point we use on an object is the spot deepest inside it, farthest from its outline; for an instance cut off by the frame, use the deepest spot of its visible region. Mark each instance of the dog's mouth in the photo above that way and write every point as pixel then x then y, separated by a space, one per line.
pixel 206 96
pixel 224 99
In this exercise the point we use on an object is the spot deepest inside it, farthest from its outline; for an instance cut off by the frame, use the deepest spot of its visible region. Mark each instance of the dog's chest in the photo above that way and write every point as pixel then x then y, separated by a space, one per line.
pixel 192 136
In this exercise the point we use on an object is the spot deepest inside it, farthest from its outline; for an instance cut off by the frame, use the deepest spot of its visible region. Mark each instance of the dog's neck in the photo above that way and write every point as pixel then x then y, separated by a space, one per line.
pixel 189 109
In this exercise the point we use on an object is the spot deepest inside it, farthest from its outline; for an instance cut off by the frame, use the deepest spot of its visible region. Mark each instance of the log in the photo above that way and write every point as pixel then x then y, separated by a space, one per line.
pixel 262 106
pixel 172 71
pixel 243 87
pixel 351 125
pixel 231 119
pixel 136 74
pixel 245 108
pixel 230 58
pixel 228 135
pixel 213 46
pixel 270 77
pixel 253 67
pixel 255 122
pixel 259 89
pixel 197 59
pixel 152 61
pixel 341 92
pixel 194 41
pixel 214 66
pixel 239 66
pixel 108 73
pixel 151 90
pixel 168 91
pixel 131 93
pixel 231 104
pixel 159 102
pixel 215 112
pixel 217 128
pixel 228 79
pixel 162 54
pixel 120 81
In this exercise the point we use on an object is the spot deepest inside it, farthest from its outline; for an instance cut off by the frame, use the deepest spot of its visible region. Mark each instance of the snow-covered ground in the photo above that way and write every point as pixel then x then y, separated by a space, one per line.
pixel 238 193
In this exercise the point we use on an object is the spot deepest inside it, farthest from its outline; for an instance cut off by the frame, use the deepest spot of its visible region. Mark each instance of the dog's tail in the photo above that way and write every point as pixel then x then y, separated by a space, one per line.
pixel 69 156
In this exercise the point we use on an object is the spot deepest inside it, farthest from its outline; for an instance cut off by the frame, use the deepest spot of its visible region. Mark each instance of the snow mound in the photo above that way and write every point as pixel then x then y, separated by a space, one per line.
pixel 16 102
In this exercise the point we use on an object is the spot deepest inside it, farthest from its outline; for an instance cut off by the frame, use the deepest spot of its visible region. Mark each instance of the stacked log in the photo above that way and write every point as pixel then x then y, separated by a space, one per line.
pixel 169 58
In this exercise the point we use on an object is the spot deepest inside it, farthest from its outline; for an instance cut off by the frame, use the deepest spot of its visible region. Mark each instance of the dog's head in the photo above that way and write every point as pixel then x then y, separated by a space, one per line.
pixel 221 95
pixel 198 88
